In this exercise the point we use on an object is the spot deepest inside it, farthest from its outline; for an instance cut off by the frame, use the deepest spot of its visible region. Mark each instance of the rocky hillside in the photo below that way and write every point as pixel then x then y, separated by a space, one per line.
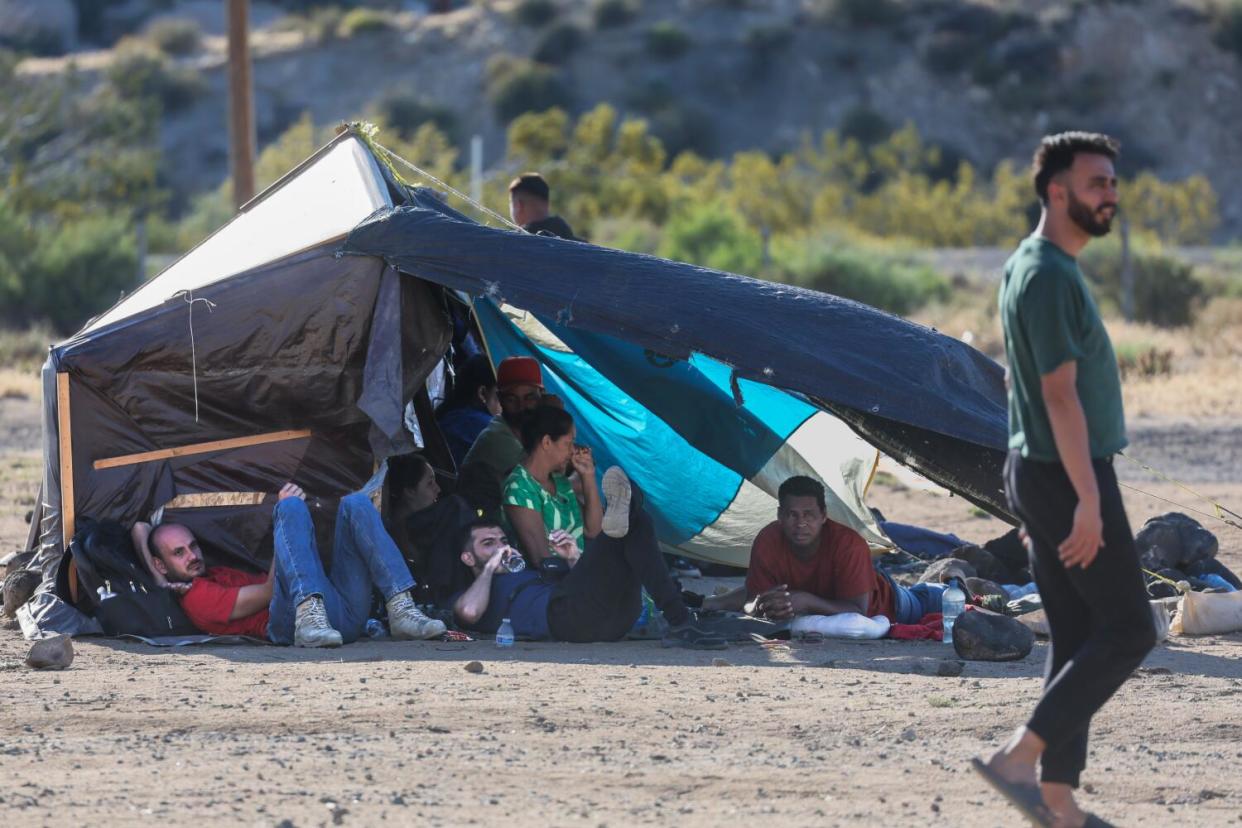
pixel 984 78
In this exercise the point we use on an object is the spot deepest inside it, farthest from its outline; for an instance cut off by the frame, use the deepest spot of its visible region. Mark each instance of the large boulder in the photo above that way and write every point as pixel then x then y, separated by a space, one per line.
pixel 942 570
pixel 1173 541
pixel 44 27
pixel 980 636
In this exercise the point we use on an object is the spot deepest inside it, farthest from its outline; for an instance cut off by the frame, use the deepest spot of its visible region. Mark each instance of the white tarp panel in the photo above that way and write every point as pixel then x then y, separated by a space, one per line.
pixel 323 201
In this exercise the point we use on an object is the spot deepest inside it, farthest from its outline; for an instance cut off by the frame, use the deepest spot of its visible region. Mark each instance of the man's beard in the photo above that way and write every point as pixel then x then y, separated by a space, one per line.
pixel 1089 221
pixel 517 418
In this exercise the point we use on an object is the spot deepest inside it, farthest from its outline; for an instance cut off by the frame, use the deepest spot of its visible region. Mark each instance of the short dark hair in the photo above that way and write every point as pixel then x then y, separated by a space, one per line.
pixel 465 535
pixel 532 183
pixel 801 486
pixel 1056 155
pixel 545 421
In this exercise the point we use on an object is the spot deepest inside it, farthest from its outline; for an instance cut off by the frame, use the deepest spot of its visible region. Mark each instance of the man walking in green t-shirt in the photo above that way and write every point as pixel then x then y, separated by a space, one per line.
pixel 1065 424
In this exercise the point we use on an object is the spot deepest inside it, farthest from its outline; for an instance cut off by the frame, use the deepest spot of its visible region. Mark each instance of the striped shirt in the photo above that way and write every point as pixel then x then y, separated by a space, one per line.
pixel 559 511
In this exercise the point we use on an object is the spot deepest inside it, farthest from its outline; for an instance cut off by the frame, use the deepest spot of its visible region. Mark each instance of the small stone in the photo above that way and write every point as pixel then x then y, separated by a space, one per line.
pixel 55 653
pixel 979 636
pixel 474 666
pixel 950 668
pixel 721 662
pixel 18 587
pixel 908 735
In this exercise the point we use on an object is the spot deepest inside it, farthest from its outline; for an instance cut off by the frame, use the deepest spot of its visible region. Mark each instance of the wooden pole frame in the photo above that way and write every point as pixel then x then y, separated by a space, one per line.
pixel 64 434
pixel 201 448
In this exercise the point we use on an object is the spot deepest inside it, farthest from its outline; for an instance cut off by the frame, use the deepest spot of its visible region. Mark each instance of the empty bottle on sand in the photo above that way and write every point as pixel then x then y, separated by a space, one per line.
pixel 952 604
pixel 504 635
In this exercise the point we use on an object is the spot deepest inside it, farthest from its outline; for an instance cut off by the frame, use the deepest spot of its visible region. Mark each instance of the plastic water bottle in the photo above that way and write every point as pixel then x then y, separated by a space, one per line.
pixel 375 628
pixel 504 635
pixel 952 604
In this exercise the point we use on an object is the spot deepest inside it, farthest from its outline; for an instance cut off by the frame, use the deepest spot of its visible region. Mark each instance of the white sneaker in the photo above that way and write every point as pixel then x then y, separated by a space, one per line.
pixel 311 627
pixel 406 621
pixel 617 492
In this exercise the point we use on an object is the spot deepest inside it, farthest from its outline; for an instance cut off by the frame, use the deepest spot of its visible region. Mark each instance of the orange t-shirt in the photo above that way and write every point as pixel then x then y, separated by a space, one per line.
pixel 840 569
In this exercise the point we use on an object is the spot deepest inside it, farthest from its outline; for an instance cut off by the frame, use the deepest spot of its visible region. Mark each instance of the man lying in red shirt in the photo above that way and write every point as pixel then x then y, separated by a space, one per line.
pixel 296 602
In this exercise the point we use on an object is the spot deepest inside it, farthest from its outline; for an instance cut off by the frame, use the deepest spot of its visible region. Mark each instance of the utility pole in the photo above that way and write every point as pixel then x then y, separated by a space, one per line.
pixel 241 103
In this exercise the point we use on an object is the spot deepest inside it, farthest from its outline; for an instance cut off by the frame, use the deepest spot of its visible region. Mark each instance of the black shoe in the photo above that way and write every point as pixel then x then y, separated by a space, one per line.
pixel 693 636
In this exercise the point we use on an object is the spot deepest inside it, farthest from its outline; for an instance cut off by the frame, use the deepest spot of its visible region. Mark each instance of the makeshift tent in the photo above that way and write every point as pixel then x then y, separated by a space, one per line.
pixel 287 345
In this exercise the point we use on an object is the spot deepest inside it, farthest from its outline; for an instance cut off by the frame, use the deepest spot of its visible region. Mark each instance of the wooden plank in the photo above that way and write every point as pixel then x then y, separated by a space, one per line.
pixel 65 436
pixel 201 448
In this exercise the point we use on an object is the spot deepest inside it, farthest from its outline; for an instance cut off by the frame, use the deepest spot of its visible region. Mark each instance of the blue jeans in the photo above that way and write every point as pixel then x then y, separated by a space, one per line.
pixel 910 604
pixel 364 557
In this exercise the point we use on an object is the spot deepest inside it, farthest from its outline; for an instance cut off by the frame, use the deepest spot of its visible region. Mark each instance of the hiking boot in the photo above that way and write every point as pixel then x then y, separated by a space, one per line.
pixel 407 622
pixel 311 627
pixel 693 635
pixel 617 493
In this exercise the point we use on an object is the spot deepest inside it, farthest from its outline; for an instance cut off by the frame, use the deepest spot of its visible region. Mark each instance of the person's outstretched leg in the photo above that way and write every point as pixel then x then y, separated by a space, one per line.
pixel 364 557
pixel 301 592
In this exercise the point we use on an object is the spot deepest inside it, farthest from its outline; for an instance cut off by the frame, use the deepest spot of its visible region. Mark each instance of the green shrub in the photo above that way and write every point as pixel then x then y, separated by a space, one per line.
pixel 864 125
pixel 80 270
pixel 535 13
pixel 1166 291
pixel 713 236
pixel 557 43
pixel 405 112
pixel 138 72
pixel 667 41
pixel 609 14
pixel 17 241
pixel 516 86
pixel 634 235
pixel 318 25
pixel 859 13
pixel 764 43
pixel 879 280
pixel 362 21
pixel 1226 16
pixel 175 35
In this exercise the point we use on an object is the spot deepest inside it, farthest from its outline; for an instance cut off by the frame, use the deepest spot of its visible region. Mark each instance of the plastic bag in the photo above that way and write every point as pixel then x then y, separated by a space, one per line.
pixel 843 625
pixel 1208 613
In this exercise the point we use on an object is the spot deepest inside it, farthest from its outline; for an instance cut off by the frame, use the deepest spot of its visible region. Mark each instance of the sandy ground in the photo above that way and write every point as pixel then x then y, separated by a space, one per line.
pixel 833 733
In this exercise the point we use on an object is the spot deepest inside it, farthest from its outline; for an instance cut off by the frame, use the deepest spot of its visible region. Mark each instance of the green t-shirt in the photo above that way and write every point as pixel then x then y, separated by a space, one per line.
pixel 497 448
pixel 1049 319
pixel 559 511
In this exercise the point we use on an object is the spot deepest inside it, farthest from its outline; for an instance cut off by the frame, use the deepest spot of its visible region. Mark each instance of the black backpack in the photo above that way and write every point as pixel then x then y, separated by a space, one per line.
pixel 115 587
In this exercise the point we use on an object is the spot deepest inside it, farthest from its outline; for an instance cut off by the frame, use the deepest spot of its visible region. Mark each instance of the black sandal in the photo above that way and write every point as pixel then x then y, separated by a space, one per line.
pixel 1026 798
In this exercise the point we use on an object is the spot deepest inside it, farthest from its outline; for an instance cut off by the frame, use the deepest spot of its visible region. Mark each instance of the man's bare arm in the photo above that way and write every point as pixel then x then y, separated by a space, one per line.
pixel 1069 431
pixel 472 604
pixel 140 533
pixel 251 599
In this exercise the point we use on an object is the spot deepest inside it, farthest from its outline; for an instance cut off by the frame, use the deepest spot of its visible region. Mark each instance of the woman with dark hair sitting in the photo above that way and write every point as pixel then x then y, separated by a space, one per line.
pixel 606 559
pixel 543 506
pixel 423 524
pixel 470 406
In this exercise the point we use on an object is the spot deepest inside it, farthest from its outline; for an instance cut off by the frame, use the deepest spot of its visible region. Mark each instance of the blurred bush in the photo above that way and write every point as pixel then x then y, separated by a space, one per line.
pixel 713 236
pixel 363 20
pixel 1226 21
pixel 882 280
pixel 557 43
pixel 140 72
pixel 667 41
pixel 535 13
pixel 175 36
pixel 1166 292
pixel 858 13
pixel 516 86
pixel 405 112
pixel 609 14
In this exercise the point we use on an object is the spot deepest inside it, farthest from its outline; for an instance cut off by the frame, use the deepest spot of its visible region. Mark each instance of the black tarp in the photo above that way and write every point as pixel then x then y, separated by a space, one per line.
pixel 928 400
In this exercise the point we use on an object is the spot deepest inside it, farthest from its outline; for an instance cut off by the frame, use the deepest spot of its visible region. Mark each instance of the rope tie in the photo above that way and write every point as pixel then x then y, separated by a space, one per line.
pixel 1220 510
pixel 188 296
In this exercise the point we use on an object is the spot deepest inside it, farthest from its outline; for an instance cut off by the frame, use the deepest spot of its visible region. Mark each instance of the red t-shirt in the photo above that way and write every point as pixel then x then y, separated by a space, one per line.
pixel 841 568
pixel 211 598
